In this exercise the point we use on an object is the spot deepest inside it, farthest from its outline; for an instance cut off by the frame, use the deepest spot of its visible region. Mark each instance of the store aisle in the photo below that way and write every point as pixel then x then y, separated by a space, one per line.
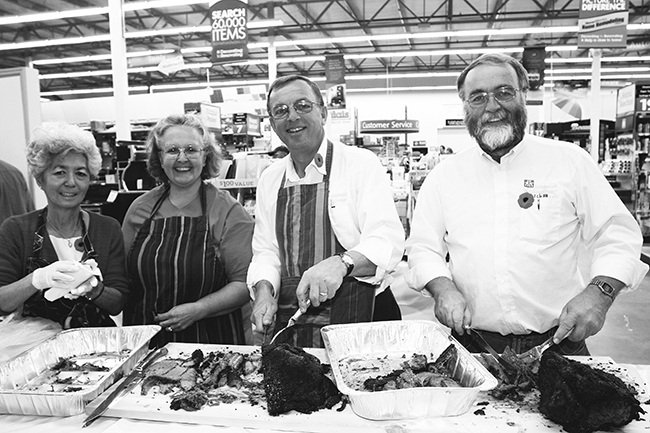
pixel 625 337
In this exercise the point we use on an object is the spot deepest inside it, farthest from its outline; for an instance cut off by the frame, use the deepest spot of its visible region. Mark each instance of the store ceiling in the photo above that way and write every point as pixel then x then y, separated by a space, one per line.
pixel 302 19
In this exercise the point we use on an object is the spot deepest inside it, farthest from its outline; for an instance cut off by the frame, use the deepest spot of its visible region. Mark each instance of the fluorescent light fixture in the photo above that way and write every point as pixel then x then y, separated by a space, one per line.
pixel 110 71
pixel 48 16
pixel 52 42
pixel 602 70
pixel 159 4
pixel 167 32
pixel 263 24
pixel 89 91
pixel 80 59
pixel 212 84
pixel 400 89
pixel 602 59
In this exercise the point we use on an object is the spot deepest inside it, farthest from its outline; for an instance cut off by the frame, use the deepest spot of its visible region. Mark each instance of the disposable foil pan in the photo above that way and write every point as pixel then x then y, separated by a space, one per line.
pixel 28 385
pixel 363 350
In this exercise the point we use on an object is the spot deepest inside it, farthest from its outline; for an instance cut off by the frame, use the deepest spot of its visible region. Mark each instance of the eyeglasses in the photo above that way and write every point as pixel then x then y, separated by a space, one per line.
pixel 301 106
pixel 502 94
pixel 190 152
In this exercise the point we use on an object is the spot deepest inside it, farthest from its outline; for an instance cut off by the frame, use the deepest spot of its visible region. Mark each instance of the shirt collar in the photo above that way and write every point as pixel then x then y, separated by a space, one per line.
pixel 508 157
pixel 317 164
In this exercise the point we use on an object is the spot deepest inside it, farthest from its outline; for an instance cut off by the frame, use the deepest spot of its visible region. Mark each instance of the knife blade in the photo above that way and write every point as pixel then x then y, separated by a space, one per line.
pixel 508 368
pixel 126 384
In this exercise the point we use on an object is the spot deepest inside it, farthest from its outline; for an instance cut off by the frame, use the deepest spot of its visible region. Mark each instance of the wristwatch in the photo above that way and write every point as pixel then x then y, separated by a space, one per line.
pixel 606 288
pixel 348 261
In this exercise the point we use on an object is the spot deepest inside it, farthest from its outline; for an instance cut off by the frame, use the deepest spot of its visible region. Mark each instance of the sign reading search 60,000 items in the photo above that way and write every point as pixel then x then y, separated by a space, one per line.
pixel 229 34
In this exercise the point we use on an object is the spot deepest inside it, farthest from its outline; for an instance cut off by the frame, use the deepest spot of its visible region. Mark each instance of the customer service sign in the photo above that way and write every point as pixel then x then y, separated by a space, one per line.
pixel 228 33
pixel 603 24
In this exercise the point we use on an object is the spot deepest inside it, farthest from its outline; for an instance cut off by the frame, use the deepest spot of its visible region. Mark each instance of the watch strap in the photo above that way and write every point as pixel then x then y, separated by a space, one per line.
pixel 348 261
pixel 604 287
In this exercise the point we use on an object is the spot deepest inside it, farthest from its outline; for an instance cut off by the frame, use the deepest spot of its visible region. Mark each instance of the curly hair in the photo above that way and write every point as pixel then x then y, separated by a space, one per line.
pixel 52 139
pixel 213 155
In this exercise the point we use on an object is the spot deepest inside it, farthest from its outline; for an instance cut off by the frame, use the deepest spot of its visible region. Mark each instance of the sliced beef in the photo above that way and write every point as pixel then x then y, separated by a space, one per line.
pixel 168 372
pixel 295 380
pixel 583 399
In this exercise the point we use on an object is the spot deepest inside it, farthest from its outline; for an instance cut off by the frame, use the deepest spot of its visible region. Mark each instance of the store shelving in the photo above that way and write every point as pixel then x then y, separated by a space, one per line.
pixel 633 133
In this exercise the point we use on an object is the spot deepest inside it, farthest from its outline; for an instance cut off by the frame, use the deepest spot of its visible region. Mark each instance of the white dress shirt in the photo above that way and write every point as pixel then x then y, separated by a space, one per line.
pixel 361 211
pixel 515 232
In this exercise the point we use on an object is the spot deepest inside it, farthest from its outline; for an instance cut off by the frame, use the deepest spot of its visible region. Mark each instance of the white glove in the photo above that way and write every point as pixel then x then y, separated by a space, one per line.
pixel 89 284
pixel 56 275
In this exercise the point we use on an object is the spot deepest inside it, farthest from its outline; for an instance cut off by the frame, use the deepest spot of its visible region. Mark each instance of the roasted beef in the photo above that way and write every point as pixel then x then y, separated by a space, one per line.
pixel 583 399
pixel 168 372
pixel 295 380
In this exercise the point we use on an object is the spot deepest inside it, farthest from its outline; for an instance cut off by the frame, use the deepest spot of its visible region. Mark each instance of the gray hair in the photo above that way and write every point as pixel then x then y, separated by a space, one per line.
pixel 213 155
pixel 496 59
pixel 52 139
pixel 283 81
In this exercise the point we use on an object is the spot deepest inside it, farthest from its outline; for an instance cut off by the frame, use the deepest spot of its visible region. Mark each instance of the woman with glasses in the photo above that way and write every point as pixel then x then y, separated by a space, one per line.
pixel 188 244
pixel 61 262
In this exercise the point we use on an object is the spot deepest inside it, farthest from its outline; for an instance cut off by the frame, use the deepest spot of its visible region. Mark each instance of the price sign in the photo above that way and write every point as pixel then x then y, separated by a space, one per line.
pixel 236 183
pixel 642 97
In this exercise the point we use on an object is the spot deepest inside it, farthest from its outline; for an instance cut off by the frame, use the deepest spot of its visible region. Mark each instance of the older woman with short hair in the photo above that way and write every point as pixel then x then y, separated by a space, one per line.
pixel 43 251
pixel 188 243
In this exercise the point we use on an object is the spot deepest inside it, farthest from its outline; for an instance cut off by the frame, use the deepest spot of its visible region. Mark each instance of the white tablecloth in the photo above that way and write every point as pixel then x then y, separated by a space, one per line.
pixel 17 335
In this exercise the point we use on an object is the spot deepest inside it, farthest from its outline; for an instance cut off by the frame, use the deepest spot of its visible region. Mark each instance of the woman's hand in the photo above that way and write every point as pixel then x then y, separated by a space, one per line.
pixel 179 317
pixel 56 275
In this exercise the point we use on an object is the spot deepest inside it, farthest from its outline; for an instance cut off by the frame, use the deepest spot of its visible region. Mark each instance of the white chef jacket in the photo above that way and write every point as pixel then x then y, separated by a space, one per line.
pixel 516 261
pixel 361 210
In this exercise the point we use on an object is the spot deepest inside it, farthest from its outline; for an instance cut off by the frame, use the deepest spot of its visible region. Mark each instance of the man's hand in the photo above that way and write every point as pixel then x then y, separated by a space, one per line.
pixel 264 307
pixel 451 308
pixel 320 282
pixel 583 316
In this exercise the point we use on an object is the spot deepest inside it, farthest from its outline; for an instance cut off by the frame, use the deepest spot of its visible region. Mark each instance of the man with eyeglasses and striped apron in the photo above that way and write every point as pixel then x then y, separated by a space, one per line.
pixel 327 234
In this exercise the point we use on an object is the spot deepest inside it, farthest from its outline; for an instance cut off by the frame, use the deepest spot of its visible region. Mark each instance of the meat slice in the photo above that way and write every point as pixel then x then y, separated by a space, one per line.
pixel 583 399
pixel 168 372
pixel 295 380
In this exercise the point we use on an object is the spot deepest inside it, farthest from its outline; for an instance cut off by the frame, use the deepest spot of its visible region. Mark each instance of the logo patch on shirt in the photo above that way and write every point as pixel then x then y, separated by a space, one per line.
pixel 529 183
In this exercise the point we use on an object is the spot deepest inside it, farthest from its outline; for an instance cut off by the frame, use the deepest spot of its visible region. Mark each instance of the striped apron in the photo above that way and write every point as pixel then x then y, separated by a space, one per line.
pixel 305 236
pixel 173 261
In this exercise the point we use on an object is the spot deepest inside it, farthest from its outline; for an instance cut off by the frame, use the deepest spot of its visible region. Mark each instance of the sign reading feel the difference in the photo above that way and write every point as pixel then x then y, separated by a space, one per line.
pixel 603 24
pixel 229 34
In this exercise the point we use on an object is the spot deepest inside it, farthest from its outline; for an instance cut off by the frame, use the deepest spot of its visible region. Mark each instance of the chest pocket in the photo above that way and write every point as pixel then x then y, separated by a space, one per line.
pixel 539 214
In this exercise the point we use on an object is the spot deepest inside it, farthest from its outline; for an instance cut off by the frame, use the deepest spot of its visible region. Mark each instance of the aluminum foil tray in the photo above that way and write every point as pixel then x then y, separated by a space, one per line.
pixel 29 385
pixel 363 350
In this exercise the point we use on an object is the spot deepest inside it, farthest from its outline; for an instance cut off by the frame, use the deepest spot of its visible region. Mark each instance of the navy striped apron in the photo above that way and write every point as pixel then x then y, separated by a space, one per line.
pixel 171 262
pixel 305 237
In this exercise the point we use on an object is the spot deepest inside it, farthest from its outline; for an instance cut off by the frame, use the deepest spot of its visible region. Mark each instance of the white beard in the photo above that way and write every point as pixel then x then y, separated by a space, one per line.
pixel 495 137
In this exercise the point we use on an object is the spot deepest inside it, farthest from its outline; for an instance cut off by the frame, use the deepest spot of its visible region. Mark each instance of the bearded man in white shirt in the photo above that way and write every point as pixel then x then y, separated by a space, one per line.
pixel 514 216
pixel 327 234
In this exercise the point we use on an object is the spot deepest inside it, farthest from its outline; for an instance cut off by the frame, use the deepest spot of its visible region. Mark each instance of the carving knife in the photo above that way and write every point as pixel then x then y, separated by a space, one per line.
pixel 508 368
pixel 126 384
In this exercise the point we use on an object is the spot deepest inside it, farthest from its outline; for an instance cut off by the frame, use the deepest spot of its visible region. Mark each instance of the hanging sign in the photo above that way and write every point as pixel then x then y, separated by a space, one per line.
pixel 390 126
pixel 335 80
pixel 229 34
pixel 603 24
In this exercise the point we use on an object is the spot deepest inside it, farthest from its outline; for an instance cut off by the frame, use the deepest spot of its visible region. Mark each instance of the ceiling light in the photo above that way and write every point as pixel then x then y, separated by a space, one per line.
pixel 159 4
pixel 48 16
pixel 52 42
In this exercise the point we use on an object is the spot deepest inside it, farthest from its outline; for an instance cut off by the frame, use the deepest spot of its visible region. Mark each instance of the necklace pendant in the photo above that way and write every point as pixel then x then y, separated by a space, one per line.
pixel 69 243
